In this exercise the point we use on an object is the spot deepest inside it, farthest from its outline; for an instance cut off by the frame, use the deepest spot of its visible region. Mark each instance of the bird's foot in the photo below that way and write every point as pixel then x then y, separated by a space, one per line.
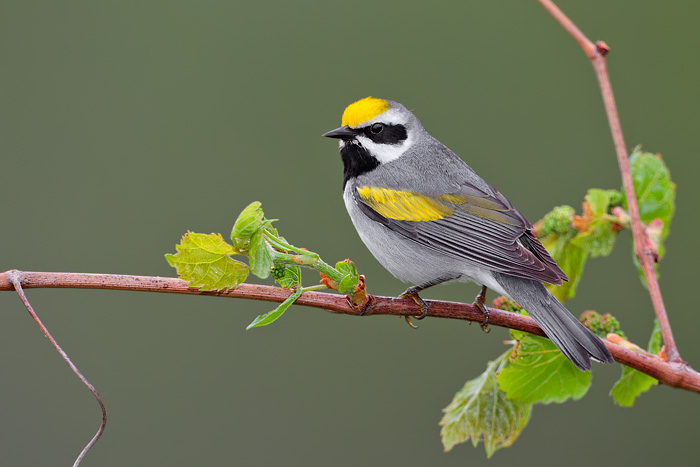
pixel 420 302
pixel 480 303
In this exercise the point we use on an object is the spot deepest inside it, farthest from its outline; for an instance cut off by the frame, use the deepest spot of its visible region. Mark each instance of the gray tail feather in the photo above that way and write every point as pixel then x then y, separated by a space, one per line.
pixel 575 341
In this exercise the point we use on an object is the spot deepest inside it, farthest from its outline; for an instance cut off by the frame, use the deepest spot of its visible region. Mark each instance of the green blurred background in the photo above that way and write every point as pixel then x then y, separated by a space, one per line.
pixel 123 124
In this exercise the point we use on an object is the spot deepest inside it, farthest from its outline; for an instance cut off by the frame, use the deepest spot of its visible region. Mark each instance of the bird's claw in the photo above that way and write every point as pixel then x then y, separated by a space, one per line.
pixel 485 324
pixel 480 303
pixel 410 322
pixel 421 303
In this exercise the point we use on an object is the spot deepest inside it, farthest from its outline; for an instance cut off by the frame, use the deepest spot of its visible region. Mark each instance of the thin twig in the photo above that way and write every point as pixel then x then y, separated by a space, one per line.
pixel 16 278
pixel 596 54
pixel 672 374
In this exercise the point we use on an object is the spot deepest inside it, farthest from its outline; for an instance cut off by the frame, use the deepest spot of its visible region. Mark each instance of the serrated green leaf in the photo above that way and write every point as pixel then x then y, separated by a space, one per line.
pixel 260 254
pixel 633 383
pixel 272 316
pixel 346 267
pixel 347 284
pixel 570 258
pixel 598 200
pixel 287 275
pixel 203 261
pixel 350 277
pixel 248 222
pixel 481 412
pixel 656 195
pixel 598 239
pixel 518 335
pixel 541 373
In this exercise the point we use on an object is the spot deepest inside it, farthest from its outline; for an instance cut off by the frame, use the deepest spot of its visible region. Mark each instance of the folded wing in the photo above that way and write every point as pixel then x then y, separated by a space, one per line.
pixel 469 224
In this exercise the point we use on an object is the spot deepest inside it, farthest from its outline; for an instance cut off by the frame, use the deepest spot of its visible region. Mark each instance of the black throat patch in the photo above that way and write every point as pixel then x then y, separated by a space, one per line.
pixel 356 161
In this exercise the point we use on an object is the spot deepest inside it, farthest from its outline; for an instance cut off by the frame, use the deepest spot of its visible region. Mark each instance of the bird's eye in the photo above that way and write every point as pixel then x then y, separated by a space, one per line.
pixel 376 128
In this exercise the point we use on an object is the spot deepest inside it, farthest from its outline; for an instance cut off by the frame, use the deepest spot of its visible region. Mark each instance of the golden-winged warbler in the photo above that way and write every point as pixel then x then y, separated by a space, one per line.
pixel 428 218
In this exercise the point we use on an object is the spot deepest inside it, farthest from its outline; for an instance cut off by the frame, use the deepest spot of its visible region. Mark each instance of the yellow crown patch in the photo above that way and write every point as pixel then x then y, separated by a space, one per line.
pixel 363 110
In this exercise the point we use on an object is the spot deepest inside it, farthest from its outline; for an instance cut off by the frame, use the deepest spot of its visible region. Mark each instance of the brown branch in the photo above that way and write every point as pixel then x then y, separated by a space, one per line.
pixel 15 279
pixel 596 54
pixel 672 374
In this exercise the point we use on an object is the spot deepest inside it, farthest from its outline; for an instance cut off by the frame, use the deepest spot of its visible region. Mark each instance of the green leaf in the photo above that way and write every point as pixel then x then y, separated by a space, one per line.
pixel 598 238
pixel 248 222
pixel 481 412
pixel 203 261
pixel 260 253
pixel 569 247
pixel 287 275
pixel 541 373
pixel 350 277
pixel 617 198
pixel 656 195
pixel 633 383
pixel 346 267
pixel 572 261
pixel 598 201
pixel 271 316
pixel 570 258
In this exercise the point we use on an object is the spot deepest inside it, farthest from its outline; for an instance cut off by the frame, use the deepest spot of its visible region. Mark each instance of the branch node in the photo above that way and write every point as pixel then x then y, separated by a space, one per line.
pixel 14 275
pixel 602 48
pixel 363 309
pixel 360 297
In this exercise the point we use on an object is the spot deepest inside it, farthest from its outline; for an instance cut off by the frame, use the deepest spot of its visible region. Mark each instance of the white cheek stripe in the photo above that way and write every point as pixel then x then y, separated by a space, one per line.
pixel 385 152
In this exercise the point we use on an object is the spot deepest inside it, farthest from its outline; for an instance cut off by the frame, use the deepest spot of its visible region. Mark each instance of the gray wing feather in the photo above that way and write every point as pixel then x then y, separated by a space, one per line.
pixel 485 243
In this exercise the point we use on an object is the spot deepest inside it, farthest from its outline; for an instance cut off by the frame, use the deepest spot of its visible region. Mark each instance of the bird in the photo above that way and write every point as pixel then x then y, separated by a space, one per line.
pixel 428 218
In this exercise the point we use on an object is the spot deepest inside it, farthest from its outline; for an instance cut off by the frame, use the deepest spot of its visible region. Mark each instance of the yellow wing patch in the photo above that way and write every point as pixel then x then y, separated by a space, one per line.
pixel 404 205
pixel 363 110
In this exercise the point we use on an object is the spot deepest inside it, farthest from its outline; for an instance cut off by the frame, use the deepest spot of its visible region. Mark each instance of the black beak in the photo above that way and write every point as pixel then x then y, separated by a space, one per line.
pixel 344 132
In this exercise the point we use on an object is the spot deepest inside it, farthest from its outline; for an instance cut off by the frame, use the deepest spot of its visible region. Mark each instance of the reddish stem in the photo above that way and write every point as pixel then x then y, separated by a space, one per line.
pixel 15 278
pixel 669 373
pixel 596 54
